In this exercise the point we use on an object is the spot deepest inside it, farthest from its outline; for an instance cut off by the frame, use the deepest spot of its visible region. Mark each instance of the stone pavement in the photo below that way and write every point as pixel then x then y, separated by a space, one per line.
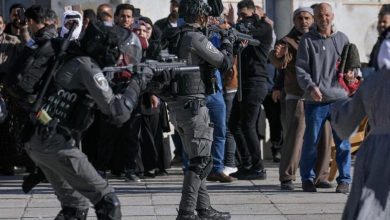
pixel 158 198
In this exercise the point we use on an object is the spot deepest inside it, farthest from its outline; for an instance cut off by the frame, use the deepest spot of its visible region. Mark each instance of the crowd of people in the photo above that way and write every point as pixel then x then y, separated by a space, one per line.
pixel 70 122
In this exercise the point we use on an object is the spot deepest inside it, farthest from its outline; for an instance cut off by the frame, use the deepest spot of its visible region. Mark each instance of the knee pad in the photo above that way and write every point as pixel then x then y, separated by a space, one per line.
pixel 69 213
pixel 108 208
pixel 201 166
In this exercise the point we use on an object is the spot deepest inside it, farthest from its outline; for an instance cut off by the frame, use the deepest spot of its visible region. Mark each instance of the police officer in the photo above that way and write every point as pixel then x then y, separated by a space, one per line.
pixel 189 113
pixel 78 85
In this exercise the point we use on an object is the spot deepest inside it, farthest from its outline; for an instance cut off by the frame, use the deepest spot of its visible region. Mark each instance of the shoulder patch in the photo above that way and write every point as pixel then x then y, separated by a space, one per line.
pixel 210 47
pixel 101 81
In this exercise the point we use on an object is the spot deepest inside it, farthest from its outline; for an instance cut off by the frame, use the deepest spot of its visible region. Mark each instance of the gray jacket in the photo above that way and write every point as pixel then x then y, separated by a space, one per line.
pixel 316 62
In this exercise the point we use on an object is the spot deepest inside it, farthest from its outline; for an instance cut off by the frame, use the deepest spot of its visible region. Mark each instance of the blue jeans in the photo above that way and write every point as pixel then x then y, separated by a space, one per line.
pixel 217 110
pixel 315 117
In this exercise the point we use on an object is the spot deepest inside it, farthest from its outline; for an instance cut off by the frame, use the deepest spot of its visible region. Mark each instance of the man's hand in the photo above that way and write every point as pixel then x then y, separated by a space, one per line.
pixel 230 14
pixel 276 95
pixel 155 101
pixel 316 94
pixel 280 50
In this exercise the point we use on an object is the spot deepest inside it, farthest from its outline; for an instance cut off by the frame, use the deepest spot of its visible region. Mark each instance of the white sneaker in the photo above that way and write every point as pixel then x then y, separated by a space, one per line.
pixel 229 170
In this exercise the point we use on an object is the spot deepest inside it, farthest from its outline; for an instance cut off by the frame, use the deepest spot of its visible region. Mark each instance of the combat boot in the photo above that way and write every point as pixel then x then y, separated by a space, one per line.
pixel 211 214
pixel 68 213
pixel 108 208
pixel 186 215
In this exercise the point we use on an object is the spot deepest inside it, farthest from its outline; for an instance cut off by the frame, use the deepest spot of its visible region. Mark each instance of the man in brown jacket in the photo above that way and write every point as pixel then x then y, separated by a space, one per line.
pixel 293 117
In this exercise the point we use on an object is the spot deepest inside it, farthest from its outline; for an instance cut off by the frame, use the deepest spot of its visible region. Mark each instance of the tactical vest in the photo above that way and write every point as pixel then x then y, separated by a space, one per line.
pixel 198 82
pixel 73 109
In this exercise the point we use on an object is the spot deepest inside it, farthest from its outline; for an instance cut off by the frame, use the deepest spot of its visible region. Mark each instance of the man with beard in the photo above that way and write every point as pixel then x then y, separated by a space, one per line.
pixel 13 26
pixel 173 18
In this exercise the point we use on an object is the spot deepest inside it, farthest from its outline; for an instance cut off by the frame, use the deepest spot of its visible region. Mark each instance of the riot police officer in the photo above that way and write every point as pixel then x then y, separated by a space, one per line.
pixel 189 114
pixel 79 84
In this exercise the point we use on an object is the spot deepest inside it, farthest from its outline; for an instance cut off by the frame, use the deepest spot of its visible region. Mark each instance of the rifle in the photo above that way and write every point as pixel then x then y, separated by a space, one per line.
pixel 158 68
pixel 239 36
pixel 36 108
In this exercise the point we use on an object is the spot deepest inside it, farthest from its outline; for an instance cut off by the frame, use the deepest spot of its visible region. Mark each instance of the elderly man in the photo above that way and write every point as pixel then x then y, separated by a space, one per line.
pixel 317 60
pixel 283 57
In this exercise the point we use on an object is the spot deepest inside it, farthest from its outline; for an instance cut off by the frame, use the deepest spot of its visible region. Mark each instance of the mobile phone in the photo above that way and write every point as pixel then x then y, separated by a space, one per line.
pixel 22 18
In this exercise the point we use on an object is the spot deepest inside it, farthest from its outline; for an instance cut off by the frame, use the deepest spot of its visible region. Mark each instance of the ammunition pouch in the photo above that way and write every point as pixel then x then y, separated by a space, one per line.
pixel 73 110
pixel 187 84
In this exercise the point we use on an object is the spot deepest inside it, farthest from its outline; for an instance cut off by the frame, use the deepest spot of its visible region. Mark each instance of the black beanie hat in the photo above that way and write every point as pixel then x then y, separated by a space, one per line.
pixel 349 58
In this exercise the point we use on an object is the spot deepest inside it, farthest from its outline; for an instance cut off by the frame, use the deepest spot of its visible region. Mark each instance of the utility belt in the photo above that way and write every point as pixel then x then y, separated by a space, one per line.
pixel 194 105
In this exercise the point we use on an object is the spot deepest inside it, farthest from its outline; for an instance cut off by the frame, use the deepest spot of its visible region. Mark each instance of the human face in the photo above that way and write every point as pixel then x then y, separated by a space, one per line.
pixel 303 21
pixel 142 31
pixel 149 30
pixel 245 12
pixel 2 25
pixel 125 18
pixel 323 17
pixel 174 6
pixel 383 23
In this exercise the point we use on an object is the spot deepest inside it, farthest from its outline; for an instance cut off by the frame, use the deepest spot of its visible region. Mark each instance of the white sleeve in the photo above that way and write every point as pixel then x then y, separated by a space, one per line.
pixel 384 55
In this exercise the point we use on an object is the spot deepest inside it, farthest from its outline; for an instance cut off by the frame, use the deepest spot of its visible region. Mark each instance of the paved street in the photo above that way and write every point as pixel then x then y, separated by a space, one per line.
pixel 158 199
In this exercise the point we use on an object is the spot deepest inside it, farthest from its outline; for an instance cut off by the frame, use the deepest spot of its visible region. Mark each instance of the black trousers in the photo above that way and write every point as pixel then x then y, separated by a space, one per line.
pixel 243 120
pixel 273 112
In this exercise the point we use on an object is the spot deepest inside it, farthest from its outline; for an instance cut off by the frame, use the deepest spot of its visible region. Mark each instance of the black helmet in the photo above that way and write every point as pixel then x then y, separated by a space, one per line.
pixel 101 43
pixel 190 10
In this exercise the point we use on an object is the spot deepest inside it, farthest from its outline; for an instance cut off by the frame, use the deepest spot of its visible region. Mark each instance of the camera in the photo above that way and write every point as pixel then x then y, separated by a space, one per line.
pixel 22 17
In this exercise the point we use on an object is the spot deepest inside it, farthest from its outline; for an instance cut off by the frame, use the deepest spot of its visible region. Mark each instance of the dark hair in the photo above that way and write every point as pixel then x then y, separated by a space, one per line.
pixel 51 14
pixel 313 6
pixel 146 20
pixel 385 9
pixel 17 5
pixel 37 13
pixel 246 4
pixel 90 14
pixel 121 7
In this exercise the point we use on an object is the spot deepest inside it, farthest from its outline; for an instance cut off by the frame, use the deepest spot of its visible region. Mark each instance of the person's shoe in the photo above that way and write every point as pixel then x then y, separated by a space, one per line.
pixel 324 184
pixel 240 172
pixel 308 186
pixel 254 175
pixel 186 215
pixel 30 181
pixel 148 174
pixel 287 185
pixel 229 170
pixel 219 177
pixel 159 172
pixel 108 208
pixel 276 154
pixel 211 213
pixel 68 213
pixel 342 188
pixel 131 177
